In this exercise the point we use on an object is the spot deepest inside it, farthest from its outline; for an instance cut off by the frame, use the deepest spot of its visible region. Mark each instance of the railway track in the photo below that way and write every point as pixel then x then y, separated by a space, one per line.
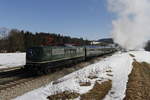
pixel 9 69
pixel 21 85
pixel 10 72
pixel 12 75
pixel 14 83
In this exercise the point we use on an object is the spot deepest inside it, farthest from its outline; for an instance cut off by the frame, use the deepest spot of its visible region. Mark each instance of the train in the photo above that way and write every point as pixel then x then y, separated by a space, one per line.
pixel 43 59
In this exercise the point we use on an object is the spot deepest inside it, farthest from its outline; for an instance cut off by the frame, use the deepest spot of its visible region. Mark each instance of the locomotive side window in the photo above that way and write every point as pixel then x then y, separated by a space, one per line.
pixel 48 51
pixel 57 51
pixel 72 51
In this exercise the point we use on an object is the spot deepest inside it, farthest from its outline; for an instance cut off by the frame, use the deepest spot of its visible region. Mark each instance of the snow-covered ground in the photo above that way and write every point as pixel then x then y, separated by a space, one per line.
pixel 120 64
pixel 8 60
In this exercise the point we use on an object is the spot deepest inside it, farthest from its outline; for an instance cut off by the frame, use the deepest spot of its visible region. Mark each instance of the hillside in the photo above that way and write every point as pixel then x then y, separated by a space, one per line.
pixel 106 40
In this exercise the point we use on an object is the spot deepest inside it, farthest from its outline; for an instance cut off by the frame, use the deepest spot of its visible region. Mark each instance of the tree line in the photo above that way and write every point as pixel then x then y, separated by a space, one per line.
pixel 19 40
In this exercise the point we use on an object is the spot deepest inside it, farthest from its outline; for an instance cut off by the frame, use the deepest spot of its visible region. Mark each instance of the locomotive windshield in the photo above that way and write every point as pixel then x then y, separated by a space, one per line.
pixel 34 53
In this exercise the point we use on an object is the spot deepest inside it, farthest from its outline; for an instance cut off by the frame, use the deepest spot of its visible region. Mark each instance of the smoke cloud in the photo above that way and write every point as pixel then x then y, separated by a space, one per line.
pixel 131 28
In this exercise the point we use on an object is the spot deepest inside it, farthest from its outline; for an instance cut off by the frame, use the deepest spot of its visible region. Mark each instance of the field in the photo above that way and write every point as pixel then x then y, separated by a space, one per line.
pixel 107 80
pixel 121 76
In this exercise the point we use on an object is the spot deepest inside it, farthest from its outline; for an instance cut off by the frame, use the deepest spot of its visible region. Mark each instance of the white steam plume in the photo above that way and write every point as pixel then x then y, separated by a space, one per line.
pixel 131 28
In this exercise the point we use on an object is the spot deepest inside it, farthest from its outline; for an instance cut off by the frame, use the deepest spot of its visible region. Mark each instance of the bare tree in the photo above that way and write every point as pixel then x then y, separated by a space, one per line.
pixel 15 41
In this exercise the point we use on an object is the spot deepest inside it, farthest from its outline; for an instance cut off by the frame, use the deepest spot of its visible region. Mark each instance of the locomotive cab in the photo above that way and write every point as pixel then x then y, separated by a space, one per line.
pixel 34 54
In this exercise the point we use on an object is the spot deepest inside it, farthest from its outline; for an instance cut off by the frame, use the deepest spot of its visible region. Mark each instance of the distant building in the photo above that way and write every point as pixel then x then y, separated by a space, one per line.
pixel 104 42
pixel 95 42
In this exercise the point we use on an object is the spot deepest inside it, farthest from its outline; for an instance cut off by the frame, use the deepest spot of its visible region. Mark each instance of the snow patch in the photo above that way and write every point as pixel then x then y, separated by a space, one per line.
pixel 115 68
pixel 9 60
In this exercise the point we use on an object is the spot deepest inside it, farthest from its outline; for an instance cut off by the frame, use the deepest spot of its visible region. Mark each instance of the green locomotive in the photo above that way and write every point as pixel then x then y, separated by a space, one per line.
pixel 43 59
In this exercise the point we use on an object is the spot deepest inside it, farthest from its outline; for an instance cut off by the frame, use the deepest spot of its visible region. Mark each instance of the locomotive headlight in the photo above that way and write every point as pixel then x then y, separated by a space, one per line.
pixel 30 52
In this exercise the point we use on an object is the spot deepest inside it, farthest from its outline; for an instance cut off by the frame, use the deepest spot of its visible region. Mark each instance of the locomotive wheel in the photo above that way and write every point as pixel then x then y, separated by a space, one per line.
pixel 39 72
pixel 47 70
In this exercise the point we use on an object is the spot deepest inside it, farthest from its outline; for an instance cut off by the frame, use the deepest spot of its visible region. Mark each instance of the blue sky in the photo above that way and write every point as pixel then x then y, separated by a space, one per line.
pixel 77 18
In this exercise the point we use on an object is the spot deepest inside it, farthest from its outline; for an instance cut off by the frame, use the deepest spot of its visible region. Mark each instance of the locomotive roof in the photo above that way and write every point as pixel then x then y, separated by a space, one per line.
pixel 56 46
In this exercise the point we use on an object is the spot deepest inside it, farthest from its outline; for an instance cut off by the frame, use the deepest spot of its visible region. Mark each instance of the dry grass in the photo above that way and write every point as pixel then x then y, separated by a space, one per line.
pixel 108 71
pixel 57 81
pixel 92 77
pixel 98 92
pixel 132 55
pixel 138 87
pixel 85 83
pixel 109 75
pixel 64 96
pixel 146 64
